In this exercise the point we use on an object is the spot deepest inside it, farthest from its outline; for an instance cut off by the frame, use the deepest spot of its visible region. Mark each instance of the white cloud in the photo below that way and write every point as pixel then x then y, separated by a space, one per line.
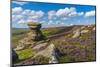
pixel 72 9
pixel 81 13
pixel 43 21
pixel 64 18
pixel 26 12
pixel 20 3
pixel 90 13
pixel 62 12
pixel 66 12
pixel 58 17
pixel 73 14
pixel 32 20
pixel 20 15
pixel 21 21
pixel 51 14
pixel 17 10
pixel 50 22
pixel 39 13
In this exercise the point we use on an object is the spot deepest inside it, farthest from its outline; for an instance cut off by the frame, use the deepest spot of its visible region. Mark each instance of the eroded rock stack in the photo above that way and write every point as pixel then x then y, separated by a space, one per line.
pixel 35 33
pixel 40 45
pixel 33 37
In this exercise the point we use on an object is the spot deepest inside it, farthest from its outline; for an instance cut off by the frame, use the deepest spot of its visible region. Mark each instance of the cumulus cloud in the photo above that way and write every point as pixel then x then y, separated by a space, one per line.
pixel 61 15
pixel 64 18
pixel 81 13
pixel 19 3
pixel 90 13
pixel 52 17
pixel 17 10
pixel 72 14
pixel 27 12
pixel 65 13
pixel 51 14
pixel 62 12
pixel 21 15
pixel 21 21
pixel 50 22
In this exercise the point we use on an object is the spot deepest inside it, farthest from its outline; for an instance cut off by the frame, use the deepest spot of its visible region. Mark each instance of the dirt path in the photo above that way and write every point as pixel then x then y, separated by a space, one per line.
pixel 58 35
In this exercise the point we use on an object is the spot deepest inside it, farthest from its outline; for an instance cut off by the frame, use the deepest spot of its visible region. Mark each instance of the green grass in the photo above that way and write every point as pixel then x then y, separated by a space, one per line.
pixel 49 32
pixel 25 54
pixel 18 34
pixel 59 44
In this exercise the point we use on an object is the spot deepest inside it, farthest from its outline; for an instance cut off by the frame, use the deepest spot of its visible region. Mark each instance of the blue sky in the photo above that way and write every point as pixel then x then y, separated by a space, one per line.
pixel 50 14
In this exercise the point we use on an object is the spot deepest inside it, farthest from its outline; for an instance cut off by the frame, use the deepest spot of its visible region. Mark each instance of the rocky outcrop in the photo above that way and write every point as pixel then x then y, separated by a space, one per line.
pixel 35 34
pixel 83 27
pixel 33 37
pixel 49 52
pixel 84 31
pixel 38 43
pixel 76 33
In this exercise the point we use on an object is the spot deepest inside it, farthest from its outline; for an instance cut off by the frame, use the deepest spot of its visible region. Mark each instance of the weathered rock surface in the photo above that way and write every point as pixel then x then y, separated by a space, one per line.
pixel 84 31
pixel 82 27
pixel 76 33
pixel 49 52
pixel 33 37
pixel 38 42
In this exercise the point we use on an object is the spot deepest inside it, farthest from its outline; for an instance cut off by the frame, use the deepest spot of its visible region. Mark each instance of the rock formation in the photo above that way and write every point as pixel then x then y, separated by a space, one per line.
pixel 76 33
pixel 32 38
pixel 38 42
pixel 35 33
pixel 84 31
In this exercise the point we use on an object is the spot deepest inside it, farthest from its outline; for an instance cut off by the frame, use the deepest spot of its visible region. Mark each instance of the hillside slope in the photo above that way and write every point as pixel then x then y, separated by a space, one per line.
pixel 72 44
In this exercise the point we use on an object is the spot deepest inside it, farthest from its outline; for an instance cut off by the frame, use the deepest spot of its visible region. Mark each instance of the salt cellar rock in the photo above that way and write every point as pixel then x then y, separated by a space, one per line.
pixel 33 37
